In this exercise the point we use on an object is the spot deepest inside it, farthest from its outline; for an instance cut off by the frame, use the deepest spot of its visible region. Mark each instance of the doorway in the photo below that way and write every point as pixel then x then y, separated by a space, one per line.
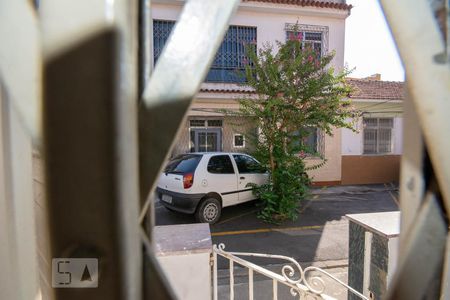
pixel 206 140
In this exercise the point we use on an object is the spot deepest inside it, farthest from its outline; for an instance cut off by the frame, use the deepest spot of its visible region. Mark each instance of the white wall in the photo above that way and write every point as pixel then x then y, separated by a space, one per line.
pixel 270 21
pixel 398 136
pixel 352 142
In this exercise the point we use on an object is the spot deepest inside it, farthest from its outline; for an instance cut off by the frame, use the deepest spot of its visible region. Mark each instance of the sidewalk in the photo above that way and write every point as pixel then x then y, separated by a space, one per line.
pixel 262 287
pixel 354 189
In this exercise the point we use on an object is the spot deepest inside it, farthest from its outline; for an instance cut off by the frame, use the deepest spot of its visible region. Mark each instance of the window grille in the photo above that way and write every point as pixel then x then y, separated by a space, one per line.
pixel 378 135
pixel 214 123
pixel 309 40
pixel 205 123
pixel 230 58
pixel 161 32
pixel 197 123
pixel 313 36
pixel 309 138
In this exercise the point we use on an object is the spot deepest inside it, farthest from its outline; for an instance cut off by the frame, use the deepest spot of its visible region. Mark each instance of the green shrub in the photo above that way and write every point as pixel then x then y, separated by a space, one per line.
pixel 296 90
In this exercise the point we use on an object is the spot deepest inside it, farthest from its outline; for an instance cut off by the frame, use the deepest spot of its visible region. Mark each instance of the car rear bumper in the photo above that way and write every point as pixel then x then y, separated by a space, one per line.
pixel 184 203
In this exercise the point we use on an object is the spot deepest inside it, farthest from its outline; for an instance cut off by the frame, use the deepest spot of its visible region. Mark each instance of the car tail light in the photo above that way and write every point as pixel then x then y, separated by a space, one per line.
pixel 188 180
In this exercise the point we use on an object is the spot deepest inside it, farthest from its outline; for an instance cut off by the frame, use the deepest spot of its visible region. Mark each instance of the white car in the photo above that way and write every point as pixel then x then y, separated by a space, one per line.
pixel 204 183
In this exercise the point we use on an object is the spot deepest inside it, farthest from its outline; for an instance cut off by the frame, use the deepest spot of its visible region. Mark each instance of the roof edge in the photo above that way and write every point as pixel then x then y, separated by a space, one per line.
pixel 312 3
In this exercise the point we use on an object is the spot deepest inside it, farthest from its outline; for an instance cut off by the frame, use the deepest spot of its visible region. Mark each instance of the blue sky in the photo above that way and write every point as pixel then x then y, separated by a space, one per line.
pixel 369 46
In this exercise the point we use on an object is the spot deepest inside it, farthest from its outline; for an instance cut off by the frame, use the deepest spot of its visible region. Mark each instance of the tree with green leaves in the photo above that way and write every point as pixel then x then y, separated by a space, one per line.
pixel 296 91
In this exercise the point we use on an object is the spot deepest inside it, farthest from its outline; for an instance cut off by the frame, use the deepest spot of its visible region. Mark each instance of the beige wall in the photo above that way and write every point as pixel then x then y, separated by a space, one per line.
pixel 331 171
pixel 236 126
pixel 182 140
pixel 230 127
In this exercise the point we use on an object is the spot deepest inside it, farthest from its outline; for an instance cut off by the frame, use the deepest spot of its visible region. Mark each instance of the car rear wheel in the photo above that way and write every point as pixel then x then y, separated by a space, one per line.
pixel 208 211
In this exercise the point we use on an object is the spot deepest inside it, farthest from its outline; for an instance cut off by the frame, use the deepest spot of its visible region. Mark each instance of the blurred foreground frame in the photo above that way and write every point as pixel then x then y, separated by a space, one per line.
pixel 69 84
pixel 424 265
pixel 88 66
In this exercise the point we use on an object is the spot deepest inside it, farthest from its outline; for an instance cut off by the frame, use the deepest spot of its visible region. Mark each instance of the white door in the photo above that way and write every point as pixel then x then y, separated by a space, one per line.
pixel 206 140
pixel 221 177
pixel 250 172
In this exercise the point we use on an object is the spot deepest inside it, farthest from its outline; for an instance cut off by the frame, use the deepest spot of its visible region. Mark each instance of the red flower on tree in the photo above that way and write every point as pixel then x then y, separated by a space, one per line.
pixel 295 36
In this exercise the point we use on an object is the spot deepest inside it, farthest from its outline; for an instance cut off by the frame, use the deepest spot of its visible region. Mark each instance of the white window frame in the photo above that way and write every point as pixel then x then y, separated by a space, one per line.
pixel 392 128
pixel 292 27
pixel 234 140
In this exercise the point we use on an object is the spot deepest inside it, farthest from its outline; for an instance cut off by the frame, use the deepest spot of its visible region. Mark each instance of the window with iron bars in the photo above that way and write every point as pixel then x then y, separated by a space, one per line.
pixel 205 123
pixel 309 40
pixel 378 135
pixel 310 139
pixel 230 59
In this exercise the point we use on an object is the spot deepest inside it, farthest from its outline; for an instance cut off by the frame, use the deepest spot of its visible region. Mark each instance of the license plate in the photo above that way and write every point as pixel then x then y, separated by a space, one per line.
pixel 166 198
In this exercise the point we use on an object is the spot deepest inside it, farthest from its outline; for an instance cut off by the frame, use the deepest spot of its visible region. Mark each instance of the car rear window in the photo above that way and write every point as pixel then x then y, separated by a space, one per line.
pixel 182 164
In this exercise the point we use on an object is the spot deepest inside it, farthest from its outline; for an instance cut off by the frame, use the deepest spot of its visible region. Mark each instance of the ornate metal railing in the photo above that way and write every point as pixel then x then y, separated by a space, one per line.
pixel 301 281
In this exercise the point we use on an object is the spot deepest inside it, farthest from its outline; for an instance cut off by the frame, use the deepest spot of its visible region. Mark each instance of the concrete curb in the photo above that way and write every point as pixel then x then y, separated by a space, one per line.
pixel 342 190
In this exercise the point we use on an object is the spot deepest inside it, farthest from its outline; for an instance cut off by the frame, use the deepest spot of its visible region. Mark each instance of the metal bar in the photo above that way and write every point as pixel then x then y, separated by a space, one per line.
pixel 82 172
pixel 231 280
pixel 412 184
pixel 274 289
pixel 146 43
pixel 125 20
pixel 256 268
pixel 445 285
pixel 17 221
pixel 20 124
pixel 423 255
pixel 113 156
pixel 430 87
pixel 214 275
pixel 60 33
pixel 300 285
pixel 21 64
pixel 250 284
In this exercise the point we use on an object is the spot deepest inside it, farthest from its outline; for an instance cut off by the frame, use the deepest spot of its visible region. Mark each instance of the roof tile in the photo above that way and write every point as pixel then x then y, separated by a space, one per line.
pixel 362 89
pixel 314 3
pixel 376 89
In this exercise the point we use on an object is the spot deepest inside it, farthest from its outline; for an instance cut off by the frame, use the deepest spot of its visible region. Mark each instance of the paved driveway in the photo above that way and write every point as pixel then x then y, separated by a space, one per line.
pixel 319 234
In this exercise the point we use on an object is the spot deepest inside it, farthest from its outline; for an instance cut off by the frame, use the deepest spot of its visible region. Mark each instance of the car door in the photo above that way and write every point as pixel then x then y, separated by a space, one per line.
pixel 222 178
pixel 250 172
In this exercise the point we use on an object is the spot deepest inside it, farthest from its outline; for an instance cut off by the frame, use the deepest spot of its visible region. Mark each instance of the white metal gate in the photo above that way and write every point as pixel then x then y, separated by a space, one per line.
pixel 302 283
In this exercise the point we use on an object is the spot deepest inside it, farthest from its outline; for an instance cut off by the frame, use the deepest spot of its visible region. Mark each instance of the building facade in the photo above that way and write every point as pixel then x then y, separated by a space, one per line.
pixel 322 26
pixel 372 153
